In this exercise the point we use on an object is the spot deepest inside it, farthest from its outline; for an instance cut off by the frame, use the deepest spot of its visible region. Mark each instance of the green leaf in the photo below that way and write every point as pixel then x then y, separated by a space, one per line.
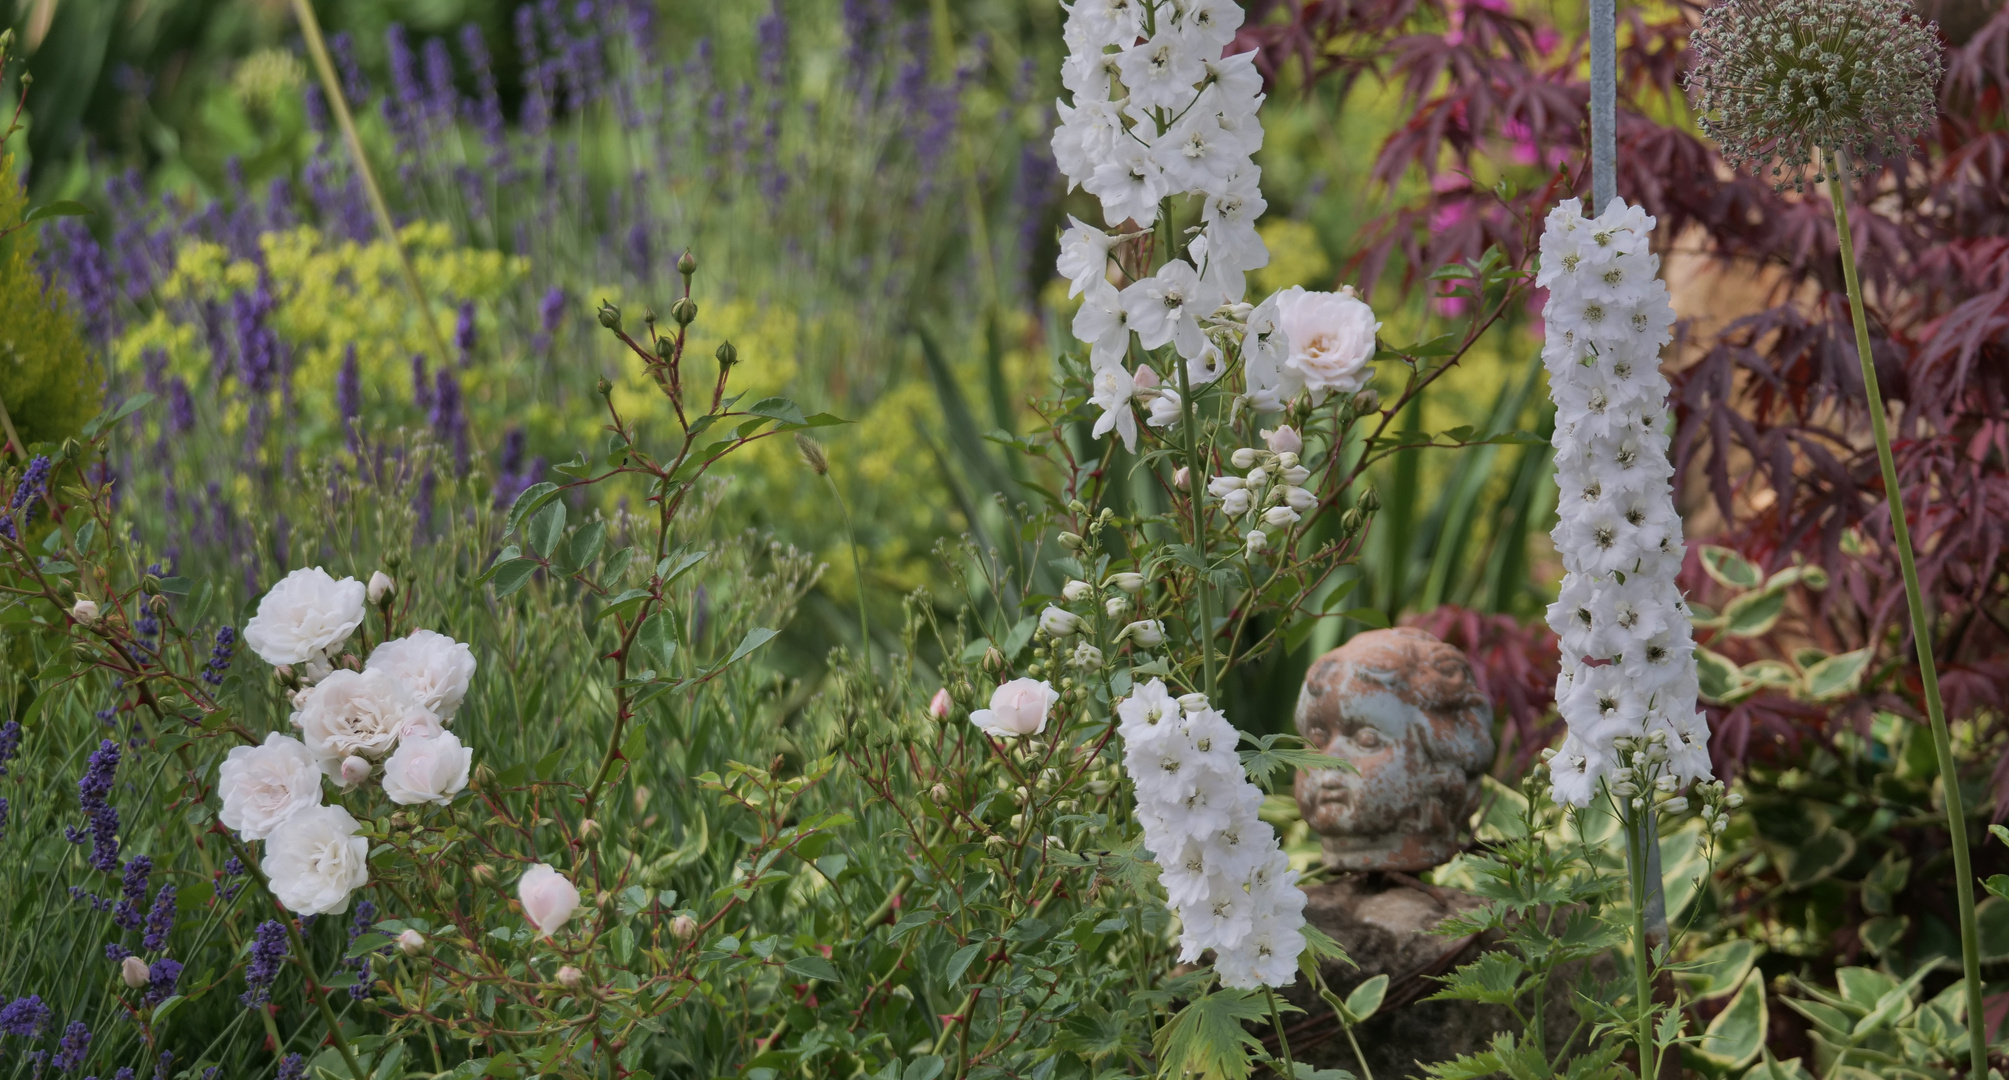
pixel 1837 676
pixel 1720 679
pixel 512 575
pixel 586 544
pixel 960 962
pixel 1366 999
pixel 1268 757
pixel 534 496
pixel 1370 616
pixel 1441 345
pixel 1091 1033
pixel 126 408
pixel 674 566
pixel 1207 1038
pixel 779 408
pixel 175 586
pixel 813 967
pixel 1753 614
pixel 1494 979
pixel 162 1010
pixel 624 603
pixel 366 944
pixel 1818 857
pixel 924 1067
pixel 1730 568
pixel 1720 969
pixel 546 528
pixel 59 208
pixel 1736 1034
pixel 657 637
pixel 754 639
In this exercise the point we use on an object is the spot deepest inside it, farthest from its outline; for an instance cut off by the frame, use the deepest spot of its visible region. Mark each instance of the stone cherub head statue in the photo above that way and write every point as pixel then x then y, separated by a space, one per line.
pixel 1403 708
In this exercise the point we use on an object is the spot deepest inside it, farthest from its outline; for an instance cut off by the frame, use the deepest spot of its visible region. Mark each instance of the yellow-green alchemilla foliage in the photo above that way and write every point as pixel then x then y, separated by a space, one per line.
pixel 328 296
pixel 46 378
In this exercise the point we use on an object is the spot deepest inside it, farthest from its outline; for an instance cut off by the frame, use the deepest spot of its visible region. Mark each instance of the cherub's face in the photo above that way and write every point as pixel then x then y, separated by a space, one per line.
pixel 1402 707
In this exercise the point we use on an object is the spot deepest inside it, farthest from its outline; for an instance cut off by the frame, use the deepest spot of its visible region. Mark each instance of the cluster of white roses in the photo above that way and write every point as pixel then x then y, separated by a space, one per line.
pixel 1224 874
pixel 1628 664
pixel 1270 487
pixel 392 712
pixel 1159 112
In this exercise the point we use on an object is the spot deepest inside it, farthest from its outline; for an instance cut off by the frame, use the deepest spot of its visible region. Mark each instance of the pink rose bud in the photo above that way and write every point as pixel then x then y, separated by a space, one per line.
pixel 1145 379
pixel 355 770
pixel 548 898
pixel 411 942
pixel 684 927
pixel 939 705
pixel 1284 440
pixel 1183 479
pixel 134 972
pixel 570 977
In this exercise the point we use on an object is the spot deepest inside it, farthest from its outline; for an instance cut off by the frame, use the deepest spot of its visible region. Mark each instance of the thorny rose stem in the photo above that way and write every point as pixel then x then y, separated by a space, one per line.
pixel 1921 632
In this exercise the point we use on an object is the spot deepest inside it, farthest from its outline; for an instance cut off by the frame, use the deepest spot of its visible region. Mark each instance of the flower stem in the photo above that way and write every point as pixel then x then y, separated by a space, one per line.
pixel 1921 633
pixel 857 570
pixel 1284 1044
pixel 1195 484
pixel 1636 839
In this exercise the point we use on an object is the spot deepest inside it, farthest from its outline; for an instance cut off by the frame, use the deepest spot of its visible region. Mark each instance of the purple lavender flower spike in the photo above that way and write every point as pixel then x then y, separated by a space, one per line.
pixel 291 1067
pixel 162 975
pixel 103 823
pixel 464 332
pixel 74 1047
pixel 349 395
pixel 21 507
pixel 421 383
pixel 180 406
pixel 219 657
pixel 268 951
pixel 10 743
pixel 24 1017
pixel 160 920
pixel 449 422
pixel 139 869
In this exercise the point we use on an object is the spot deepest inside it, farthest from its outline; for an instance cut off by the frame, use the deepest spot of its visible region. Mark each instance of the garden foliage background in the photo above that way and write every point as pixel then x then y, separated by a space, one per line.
pixel 868 191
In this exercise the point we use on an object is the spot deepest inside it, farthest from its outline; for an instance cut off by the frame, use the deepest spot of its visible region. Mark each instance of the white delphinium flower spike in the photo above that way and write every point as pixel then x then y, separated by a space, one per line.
pixel 1223 872
pixel 1628 664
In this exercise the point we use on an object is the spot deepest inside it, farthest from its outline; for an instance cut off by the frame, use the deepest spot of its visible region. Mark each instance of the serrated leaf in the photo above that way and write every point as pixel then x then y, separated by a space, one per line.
pixel 1207 1038
pixel 527 503
pixel 657 637
pixel 56 209
pixel 754 639
pixel 813 967
pixel 778 408
pixel 546 527
pixel 512 575
pixel 960 962
pixel 586 544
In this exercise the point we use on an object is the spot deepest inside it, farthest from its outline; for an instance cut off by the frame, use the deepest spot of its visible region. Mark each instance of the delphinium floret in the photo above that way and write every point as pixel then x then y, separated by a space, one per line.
pixel 1777 81
pixel 1224 874
pixel 1628 684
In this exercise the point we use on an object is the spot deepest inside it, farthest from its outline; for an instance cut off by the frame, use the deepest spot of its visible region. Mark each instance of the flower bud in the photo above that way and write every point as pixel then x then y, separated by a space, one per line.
pixel 1280 517
pixel 1071 541
pixel 1287 460
pixel 1284 440
pixel 1099 788
pixel 1182 479
pixel 1087 657
pixel 684 311
pixel 610 316
pixel 355 770
pixel 1059 622
pixel 1675 805
pixel 684 927
pixel 995 843
pixel 1366 402
pixel 1148 633
pixel 939 794
pixel 1117 606
pixel 687 264
pixel 1076 590
pixel 84 611
pixel 588 828
pixel 381 586
pixel 570 977
pixel 940 705
pixel 1128 582
pixel 134 972
pixel 1193 704
pixel 726 355
pixel 1350 522
pixel 994 660
pixel 483 873
pixel 1244 457
pixel 411 942
pixel 1256 540
pixel 1733 801
pixel 1370 501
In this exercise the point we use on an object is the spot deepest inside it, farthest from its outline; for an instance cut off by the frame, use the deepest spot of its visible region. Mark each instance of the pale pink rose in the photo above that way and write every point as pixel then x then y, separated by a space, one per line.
pixel 1331 339
pixel 1019 707
pixel 431 770
pixel 548 898
pixel 261 786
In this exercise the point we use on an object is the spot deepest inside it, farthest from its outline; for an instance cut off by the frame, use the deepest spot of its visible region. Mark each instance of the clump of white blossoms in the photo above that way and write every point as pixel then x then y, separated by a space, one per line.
pixel 1224 874
pixel 1159 114
pixel 1268 493
pixel 391 712
pixel 1627 688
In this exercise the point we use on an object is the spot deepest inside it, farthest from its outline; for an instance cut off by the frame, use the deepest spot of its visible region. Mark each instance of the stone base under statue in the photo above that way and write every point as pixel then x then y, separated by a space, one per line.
pixel 1384 921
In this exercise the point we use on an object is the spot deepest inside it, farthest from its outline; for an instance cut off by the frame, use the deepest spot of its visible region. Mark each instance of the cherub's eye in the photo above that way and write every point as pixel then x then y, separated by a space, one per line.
pixel 1368 737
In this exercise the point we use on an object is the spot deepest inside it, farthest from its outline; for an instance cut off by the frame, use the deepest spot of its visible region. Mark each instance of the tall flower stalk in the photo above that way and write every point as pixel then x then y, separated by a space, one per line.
pixel 1842 85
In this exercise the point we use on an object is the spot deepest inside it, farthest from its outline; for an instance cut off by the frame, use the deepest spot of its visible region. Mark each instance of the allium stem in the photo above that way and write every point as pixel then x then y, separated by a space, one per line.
pixel 310 29
pixel 1921 632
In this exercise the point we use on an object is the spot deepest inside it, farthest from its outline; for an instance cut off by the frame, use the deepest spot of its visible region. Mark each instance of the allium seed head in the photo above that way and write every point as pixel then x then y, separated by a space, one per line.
pixel 1778 81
